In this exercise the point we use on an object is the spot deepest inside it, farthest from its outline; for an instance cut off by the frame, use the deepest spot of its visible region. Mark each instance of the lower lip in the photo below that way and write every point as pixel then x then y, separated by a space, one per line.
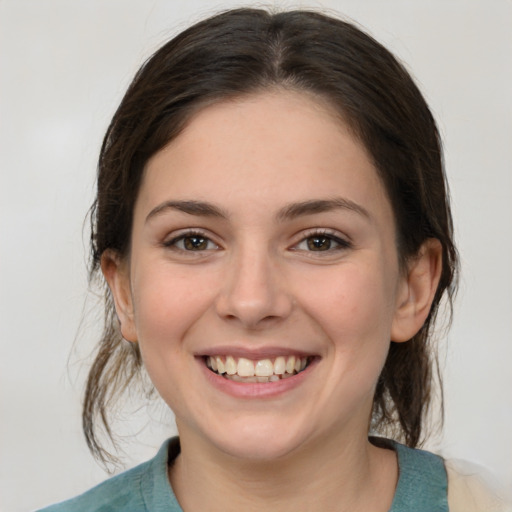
pixel 256 389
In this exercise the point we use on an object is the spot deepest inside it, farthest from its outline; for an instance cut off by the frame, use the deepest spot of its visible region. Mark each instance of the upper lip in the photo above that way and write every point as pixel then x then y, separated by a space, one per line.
pixel 254 353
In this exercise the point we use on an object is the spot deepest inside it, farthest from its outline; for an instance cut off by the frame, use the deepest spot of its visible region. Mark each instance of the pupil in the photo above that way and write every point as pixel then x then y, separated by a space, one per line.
pixel 319 243
pixel 194 243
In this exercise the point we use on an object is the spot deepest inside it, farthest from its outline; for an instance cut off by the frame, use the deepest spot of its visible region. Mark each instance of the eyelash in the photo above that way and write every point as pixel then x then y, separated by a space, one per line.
pixel 341 243
pixel 324 234
pixel 173 243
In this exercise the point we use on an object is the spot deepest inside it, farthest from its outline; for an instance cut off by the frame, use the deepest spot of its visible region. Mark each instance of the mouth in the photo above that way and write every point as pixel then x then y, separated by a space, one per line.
pixel 241 369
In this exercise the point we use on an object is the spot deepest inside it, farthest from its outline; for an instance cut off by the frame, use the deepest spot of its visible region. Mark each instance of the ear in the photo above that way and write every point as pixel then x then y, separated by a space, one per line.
pixel 116 272
pixel 417 290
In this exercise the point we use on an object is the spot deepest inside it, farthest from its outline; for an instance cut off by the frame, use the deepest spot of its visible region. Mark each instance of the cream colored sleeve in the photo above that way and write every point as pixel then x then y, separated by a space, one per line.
pixel 470 490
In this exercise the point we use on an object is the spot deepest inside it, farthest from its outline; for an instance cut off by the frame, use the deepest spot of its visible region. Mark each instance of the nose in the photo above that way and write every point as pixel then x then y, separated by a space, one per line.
pixel 254 292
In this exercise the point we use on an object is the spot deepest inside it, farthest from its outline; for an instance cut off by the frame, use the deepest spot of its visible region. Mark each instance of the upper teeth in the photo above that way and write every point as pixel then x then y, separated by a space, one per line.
pixel 261 368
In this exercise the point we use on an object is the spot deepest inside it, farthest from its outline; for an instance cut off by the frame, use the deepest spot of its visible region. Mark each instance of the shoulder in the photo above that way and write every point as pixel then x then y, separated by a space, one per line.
pixel 457 486
pixel 143 488
pixel 471 489
pixel 121 492
pixel 422 482
pixel 429 482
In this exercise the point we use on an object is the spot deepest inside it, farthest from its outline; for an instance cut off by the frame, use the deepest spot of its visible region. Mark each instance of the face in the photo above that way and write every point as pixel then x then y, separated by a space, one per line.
pixel 263 283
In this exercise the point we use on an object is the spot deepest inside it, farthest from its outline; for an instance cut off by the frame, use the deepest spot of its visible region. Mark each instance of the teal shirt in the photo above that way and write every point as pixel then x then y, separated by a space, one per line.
pixel 422 486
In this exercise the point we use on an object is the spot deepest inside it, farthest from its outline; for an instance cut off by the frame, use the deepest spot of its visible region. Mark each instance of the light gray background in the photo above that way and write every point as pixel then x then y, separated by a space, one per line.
pixel 64 66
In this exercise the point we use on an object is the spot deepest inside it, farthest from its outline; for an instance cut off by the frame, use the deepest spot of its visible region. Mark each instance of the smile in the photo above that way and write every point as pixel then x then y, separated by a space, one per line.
pixel 263 370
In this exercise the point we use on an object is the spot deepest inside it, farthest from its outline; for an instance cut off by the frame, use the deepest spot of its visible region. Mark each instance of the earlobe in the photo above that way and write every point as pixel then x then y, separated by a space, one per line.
pixel 417 291
pixel 116 273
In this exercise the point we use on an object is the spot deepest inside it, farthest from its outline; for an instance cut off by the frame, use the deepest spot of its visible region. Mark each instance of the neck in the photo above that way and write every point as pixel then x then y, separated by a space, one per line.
pixel 336 475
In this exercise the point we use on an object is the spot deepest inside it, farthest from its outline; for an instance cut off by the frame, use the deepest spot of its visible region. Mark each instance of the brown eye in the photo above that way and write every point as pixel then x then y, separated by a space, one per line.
pixel 195 243
pixel 192 242
pixel 319 243
pixel 322 242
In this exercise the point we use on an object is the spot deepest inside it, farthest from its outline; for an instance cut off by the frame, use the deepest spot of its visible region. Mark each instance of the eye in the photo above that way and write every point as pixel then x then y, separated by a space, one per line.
pixel 194 242
pixel 322 242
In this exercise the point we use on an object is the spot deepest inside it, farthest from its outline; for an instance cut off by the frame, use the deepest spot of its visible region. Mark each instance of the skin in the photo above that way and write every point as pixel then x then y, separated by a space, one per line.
pixel 256 284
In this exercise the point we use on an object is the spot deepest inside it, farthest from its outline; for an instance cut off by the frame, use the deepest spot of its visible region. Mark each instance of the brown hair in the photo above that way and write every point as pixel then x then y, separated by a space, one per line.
pixel 243 51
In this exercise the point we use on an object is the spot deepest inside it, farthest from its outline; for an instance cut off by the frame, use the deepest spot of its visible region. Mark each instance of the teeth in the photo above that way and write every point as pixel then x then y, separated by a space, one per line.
pixel 220 364
pixel 245 367
pixel 263 370
pixel 279 365
pixel 230 365
pixel 290 364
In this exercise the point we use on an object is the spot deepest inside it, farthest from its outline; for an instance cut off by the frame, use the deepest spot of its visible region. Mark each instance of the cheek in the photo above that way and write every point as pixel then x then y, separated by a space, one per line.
pixel 167 305
pixel 351 301
pixel 353 308
pixel 168 301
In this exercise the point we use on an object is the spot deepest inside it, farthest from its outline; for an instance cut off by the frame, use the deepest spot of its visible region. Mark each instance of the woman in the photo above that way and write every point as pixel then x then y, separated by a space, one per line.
pixel 274 227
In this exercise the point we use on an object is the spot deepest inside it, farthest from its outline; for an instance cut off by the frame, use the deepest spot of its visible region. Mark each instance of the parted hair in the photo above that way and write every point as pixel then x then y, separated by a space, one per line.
pixel 245 51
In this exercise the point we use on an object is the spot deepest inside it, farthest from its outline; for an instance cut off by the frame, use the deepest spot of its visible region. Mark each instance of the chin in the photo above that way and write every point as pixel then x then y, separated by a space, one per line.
pixel 257 450
pixel 258 441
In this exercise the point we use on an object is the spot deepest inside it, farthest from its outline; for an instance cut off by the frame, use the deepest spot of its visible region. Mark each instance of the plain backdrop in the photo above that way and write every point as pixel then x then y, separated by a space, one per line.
pixel 64 66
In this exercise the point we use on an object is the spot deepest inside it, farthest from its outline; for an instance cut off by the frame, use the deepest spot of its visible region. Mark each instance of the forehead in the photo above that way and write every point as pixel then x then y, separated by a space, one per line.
pixel 271 147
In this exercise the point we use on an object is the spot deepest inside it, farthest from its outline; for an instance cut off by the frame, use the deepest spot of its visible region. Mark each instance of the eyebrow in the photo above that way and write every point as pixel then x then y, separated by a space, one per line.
pixel 294 210
pixel 197 208
pixel 288 212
